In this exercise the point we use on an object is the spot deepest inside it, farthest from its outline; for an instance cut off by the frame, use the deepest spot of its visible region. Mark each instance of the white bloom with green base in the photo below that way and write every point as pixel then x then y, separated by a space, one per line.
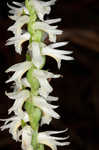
pixel 43 76
pixel 47 109
pixel 18 40
pixel 42 8
pixel 26 133
pixel 19 70
pixel 14 123
pixel 46 138
pixel 20 98
pixel 17 27
pixel 50 30
pixel 17 12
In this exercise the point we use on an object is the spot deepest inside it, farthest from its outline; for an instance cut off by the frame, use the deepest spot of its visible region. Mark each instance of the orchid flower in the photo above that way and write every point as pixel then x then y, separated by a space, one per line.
pixel 17 27
pixel 20 98
pixel 26 133
pixel 42 76
pixel 18 40
pixel 44 7
pixel 19 70
pixel 46 138
pixel 47 109
pixel 17 12
pixel 58 55
pixel 50 30
pixel 14 123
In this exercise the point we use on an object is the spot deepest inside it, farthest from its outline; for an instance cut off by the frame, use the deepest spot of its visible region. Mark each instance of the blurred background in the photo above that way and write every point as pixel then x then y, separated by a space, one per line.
pixel 78 90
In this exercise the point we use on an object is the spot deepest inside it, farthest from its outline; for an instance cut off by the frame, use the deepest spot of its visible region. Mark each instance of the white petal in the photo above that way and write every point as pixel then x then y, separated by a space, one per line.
pixel 52 98
pixel 51 21
pixel 18 41
pixel 18 4
pixel 58 44
pixel 19 70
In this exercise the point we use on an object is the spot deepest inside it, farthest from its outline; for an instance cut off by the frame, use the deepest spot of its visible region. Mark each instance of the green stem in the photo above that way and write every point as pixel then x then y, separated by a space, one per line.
pixel 33 81
pixel 33 112
pixel 34 117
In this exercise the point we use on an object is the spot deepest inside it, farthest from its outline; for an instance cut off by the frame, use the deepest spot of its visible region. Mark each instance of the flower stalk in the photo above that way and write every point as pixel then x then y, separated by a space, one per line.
pixel 32 106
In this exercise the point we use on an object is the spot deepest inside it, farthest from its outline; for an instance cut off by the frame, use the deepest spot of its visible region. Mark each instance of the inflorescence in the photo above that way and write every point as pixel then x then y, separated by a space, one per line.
pixel 31 88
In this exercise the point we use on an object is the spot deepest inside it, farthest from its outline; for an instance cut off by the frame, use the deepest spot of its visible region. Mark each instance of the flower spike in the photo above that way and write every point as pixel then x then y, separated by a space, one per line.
pixel 31 89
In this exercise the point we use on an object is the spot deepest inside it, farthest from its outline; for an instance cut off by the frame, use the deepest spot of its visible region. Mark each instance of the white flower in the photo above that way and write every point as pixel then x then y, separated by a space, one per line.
pixel 20 98
pixel 19 70
pixel 17 11
pixel 47 109
pixel 13 124
pixel 37 58
pixel 26 133
pixel 42 76
pixel 17 27
pixel 18 40
pixel 46 138
pixel 41 7
pixel 58 55
pixel 50 30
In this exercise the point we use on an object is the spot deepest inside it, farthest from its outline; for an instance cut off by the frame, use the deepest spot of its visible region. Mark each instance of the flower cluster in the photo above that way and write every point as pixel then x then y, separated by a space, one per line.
pixel 31 89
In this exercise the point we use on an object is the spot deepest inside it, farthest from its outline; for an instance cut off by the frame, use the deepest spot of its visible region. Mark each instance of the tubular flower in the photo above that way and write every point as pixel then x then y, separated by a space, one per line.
pixel 19 70
pixel 17 27
pixel 20 98
pixel 58 55
pixel 47 139
pixel 42 76
pixel 32 105
pixel 42 8
pixel 39 50
pixel 17 12
pixel 47 109
pixel 26 133
pixel 50 30
pixel 18 40
pixel 14 123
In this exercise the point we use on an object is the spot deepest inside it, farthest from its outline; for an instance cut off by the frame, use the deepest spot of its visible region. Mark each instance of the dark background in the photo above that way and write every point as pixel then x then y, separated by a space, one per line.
pixel 79 88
